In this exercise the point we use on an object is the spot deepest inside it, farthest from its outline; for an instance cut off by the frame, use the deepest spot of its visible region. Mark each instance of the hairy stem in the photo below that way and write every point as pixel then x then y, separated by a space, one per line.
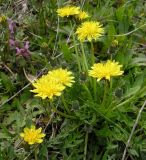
pixel 92 52
pixel 105 92
pixel 85 64
pixel 59 112
pixel 64 103
pixel 77 55
pixel 35 153
pixel 85 147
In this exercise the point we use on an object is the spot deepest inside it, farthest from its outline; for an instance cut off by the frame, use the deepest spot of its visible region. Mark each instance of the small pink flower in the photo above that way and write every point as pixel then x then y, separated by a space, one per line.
pixel 23 51
pixel 11 25
pixel 12 43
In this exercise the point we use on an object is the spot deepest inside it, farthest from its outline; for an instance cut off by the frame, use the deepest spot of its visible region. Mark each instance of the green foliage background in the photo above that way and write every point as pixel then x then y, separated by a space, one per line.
pixel 91 129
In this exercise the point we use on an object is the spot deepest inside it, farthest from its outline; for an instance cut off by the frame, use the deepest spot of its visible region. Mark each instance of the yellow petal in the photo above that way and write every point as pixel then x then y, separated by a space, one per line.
pixel 22 134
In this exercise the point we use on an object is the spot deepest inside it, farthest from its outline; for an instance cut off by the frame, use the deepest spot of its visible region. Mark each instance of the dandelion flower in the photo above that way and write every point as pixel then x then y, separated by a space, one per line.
pixel 106 70
pixel 62 76
pixel 32 135
pixel 68 11
pixel 82 15
pixel 89 30
pixel 47 88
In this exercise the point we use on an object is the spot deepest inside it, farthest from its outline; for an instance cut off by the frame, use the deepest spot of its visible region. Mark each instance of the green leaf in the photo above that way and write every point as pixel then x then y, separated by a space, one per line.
pixel 66 52
pixel 6 82
pixel 135 88
pixel 133 152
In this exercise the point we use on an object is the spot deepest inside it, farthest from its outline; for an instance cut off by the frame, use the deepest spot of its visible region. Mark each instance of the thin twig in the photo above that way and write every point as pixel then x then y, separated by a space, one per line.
pixel 133 129
pixel 128 33
pixel 50 120
pixel 9 70
pixel 20 90
pixel 15 95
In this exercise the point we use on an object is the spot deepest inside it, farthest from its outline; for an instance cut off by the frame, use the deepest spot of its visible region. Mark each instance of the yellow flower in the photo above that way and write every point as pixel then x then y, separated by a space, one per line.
pixel 32 135
pixel 44 45
pixel 82 15
pixel 62 76
pixel 47 88
pixel 68 11
pixel 115 43
pixel 2 18
pixel 89 30
pixel 105 70
pixel 53 83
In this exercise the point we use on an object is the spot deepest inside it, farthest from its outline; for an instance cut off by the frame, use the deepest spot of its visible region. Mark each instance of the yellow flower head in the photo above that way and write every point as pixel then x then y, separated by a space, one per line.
pixel 32 135
pixel 105 70
pixel 2 18
pixel 115 43
pixel 68 11
pixel 62 76
pixel 89 30
pixel 82 15
pixel 44 45
pixel 47 88
pixel 53 83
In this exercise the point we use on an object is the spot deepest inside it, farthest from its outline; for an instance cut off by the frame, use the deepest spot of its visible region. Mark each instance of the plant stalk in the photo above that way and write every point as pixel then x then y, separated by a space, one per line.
pixel 105 92
pixel 85 147
pixel 92 62
pixel 60 113
pixel 85 64
pixel 92 52
pixel 35 153
pixel 64 103
pixel 77 55
pixel 133 129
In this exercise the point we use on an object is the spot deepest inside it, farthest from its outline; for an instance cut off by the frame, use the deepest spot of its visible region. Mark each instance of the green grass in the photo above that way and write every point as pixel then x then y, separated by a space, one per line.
pixel 90 129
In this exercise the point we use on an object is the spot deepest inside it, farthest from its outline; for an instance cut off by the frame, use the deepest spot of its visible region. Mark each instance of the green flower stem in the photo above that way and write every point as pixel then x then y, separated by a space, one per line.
pixel 111 85
pixel 92 52
pixel 64 103
pixel 45 108
pixel 35 153
pixel 94 87
pixel 75 46
pixel 88 91
pixel 92 62
pixel 85 64
pixel 77 55
pixel 86 143
pixel 105 92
